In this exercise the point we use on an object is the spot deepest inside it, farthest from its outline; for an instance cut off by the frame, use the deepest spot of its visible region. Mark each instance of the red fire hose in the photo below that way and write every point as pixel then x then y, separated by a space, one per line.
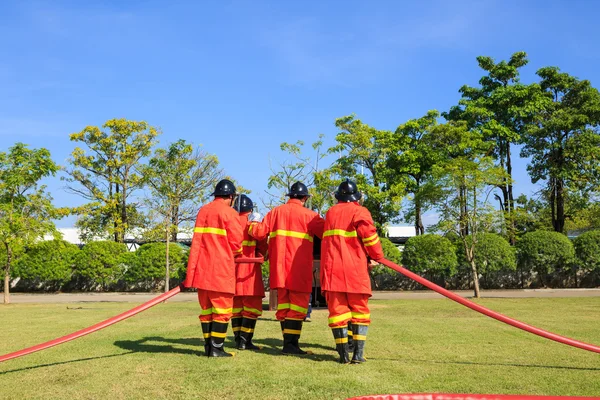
pixel 110 321
pixel 490 313
pixel 449 396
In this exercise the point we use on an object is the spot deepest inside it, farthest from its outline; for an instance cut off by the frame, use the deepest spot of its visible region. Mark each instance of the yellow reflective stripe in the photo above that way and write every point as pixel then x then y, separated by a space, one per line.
pixel 371 243
pixel 361 323
pixel 249 243
pixel 298 308
pixel 216 231
pixel 219 334
pixel 216 310
pixel 339 232
pixel 340 318
pixel 206 335
pixel 249 330
pixel 295 319
pixel 238 250
pixel 341 340
pixel 370 238
pixel 252 310
pixel 236 329
pixel 349 333
pixel 360 316
pixel 292 331
pixel 283 306
pixel 236 310
pixel 299 235
pixel 359 337
pixel 208 311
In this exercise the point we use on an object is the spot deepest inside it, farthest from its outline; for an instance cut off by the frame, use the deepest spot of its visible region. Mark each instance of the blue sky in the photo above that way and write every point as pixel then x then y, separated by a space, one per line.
pixel 239 77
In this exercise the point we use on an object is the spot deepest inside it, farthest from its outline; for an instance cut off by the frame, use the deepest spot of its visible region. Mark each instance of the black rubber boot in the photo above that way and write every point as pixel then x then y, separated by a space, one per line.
pixel 341 343
pixel 206 335
pixel 291 337
pixel 246 334
pixel 350 338
pixel 360 336
pixel 236 326
pixel 217 339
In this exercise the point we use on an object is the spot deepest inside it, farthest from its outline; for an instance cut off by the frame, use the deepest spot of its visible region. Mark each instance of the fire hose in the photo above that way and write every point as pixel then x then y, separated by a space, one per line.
pixel 490 313
pixel 110 321
pixel 403 271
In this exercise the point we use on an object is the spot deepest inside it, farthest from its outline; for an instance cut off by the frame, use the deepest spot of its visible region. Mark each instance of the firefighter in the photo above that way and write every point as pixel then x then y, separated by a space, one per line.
pixel 249 289
pixel 290 228
pixel 349 238
pixel 217 240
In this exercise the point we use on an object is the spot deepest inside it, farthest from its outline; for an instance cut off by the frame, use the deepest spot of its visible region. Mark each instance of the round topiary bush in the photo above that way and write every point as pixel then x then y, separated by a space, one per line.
pixel 544 252
pixel 430 253
pixel 50 261
pixel 494 253
pixel 148 263
pixel 587 250
pixel 101 263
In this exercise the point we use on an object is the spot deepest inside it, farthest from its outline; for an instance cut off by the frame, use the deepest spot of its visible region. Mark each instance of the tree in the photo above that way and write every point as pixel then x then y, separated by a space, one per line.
pixel 411 165
pixel 430 253
pixel 494 253
pixel 467 176
pixel 26 210
pixel 308 169
pixel 50 260
pixel 544 252
pixel 107 175
pixel 500 109
pixel 563 141
pixel 363 153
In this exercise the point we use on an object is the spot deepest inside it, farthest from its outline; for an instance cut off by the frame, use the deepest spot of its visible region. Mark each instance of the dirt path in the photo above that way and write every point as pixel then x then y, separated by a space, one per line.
pixel 26 298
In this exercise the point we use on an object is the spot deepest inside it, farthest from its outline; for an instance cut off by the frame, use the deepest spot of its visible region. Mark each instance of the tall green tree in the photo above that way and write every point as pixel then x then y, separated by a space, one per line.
pixel 500 109
pixel 411 164
pixel 107 175
pixel 179 178
pixel 307 167
pixel 363 153
pixel 563 141
pixel 468 176
pixel 26 210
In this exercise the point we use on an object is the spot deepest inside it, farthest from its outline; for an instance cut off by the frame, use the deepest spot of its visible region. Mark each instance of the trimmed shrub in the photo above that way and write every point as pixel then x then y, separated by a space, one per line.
pixel 544 252
pixel 587 250
pixel 149 261
pixel 51 262
pixel 101 263
pixel 430 253
pixel 494 253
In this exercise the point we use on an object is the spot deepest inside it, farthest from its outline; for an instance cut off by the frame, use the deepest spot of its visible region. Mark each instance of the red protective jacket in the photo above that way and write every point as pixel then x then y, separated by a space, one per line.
pixel 349 236
pixel 248 276
pixel 290 228
pixel 217 238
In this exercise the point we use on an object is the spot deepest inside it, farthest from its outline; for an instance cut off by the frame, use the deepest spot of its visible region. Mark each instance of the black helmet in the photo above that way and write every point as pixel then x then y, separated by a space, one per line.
pixel 348 191
pixel 224 188
pixel 298 189
pixel 246 206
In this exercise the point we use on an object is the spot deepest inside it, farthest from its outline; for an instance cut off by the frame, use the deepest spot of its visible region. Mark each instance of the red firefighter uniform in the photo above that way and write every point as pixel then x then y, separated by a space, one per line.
pixel 290 229
pixel 249 289
pixel 349 236
pixel 217 240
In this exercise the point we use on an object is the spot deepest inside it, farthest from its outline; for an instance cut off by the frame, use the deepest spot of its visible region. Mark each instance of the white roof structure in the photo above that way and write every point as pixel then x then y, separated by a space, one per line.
pixel 400 231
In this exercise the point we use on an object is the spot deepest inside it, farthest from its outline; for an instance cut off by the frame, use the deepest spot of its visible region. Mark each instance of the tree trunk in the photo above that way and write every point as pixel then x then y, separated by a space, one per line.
pixel 175 223
pixel 475 278
pixel 560 206
pixel 419 228
pixel 511 202
pixel 7 275
pixel 168 235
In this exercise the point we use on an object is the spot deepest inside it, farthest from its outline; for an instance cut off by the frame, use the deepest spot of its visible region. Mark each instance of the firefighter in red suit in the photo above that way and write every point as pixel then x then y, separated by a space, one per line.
pixel 249 289
pixel 217 239
pixel 290 229
pixel 348 238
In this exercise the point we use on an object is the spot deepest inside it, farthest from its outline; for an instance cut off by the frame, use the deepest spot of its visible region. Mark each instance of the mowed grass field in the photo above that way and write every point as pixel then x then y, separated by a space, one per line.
pixel 413 346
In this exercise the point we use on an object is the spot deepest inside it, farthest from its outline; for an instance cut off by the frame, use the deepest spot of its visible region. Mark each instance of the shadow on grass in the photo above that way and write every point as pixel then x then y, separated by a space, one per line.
pixel 64 362
pixel 486 364
pixel 142 345
pixel 273 347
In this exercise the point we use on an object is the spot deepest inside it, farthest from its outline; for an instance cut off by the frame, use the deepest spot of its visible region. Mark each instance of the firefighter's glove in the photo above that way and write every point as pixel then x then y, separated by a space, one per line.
pixel 254 217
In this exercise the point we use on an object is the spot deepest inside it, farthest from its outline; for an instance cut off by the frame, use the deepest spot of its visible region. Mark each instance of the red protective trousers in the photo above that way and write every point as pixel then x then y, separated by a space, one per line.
pixel 345 307
pixel 216 306
pixel 247 307
pixel 291 304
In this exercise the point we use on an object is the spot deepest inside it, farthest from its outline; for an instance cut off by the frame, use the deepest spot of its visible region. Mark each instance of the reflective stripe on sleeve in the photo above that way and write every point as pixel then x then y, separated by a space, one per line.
pixel 214 231
pixel 299 235
pixel 249 243
pixel 372 240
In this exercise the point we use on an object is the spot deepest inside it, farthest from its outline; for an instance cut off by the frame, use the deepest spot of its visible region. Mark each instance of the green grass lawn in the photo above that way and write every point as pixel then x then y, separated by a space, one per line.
pixel 412 346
